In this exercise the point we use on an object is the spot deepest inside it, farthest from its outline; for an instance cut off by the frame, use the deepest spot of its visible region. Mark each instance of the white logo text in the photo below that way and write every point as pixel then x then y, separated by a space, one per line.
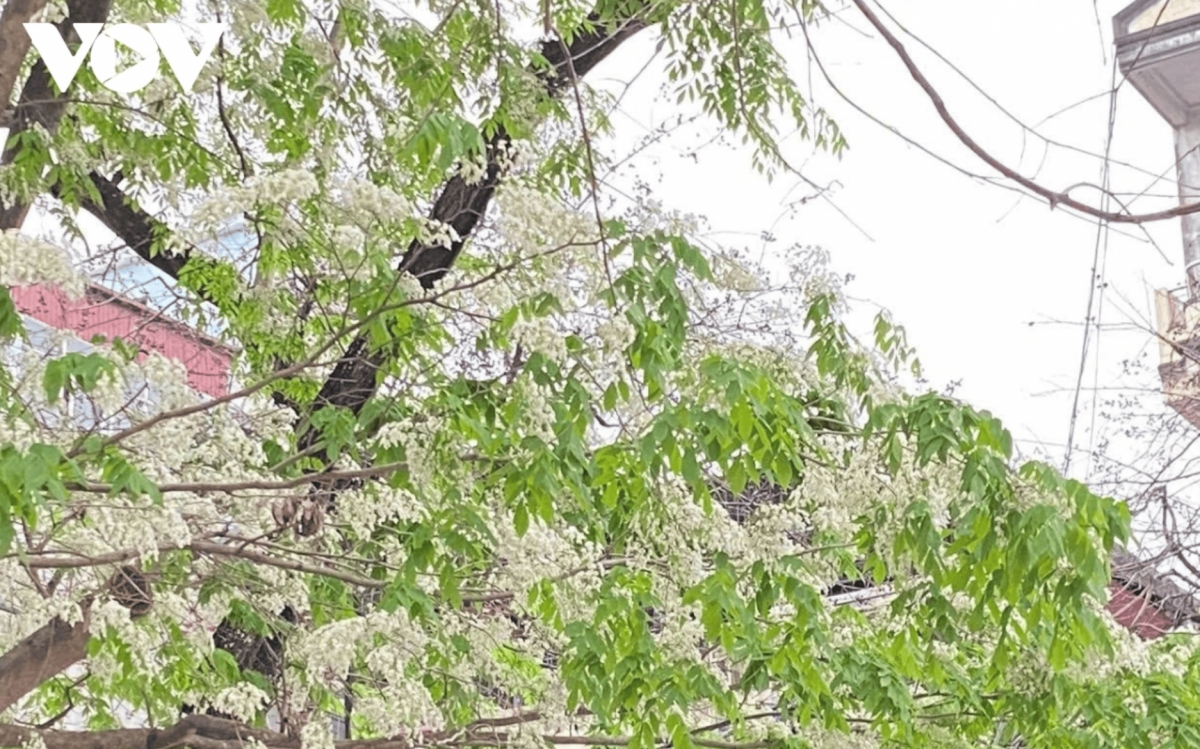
pixel 101 41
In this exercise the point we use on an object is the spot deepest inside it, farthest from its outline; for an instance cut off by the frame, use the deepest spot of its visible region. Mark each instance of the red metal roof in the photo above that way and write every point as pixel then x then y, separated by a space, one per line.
pixel 102 312
pixel 1137 614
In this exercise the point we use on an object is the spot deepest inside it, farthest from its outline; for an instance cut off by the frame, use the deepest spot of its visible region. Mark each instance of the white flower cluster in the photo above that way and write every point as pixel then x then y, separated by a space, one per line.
pixel 808 264
pixel 834 498
pixel 367 203
pixel 511 155
pixel 769 533
pixel 1172 655
pixel 144 641
pixel 283 187
pixel 316 733
pixel 348 237
pixel 1029 673
pixel 649 216
pixel 25 262
pixel 845 626
pixel 616 333
pixel 281 589
pixel 1132 653
pixel 112 391
pixel 545 551
pixel 168 378
pixel 496 296
pixel 18 433
pixel 410 287
pixel 34 741
pixel 436 233
pixel 417 438
pixel 379 504
pixel 330 651
pixel 676 528
pixel 108 614
pixel 243 701
pixel 536 409
pixel 826 739
pixel 531 222
pixel 119 524
pixel 731 274
pixel 388 645
pixel 682 630
pixel 274 188
pixel 538 334
pixel 473 168
pixel 198 621
pixel 104 666
pixel 402 705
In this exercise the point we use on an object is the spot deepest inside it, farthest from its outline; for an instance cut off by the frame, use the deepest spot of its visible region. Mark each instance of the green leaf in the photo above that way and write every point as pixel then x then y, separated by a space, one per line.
pixel 10 320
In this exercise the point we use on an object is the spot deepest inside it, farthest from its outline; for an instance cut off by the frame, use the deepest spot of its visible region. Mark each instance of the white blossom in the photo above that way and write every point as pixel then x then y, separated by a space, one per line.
pixel 25 262
pixel 242 700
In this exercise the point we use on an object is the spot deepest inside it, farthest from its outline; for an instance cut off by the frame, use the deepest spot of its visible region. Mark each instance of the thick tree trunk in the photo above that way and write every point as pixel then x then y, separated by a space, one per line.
pixel 354 379
pixel 39 103
pixel 353 382
pixel 42 655
pixel 14 42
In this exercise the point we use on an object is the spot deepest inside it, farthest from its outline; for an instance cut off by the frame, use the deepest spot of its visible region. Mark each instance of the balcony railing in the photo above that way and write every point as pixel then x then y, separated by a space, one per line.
pixel 1179 348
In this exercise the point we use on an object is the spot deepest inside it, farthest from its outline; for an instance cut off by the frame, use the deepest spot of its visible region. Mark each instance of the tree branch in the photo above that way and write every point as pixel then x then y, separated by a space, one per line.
pixel 460 205
pixel 40 656
pixel 1054 198
pixel 14 42
pixel 207 732
pixel 259 485
pixel 39 103
pixel 132 225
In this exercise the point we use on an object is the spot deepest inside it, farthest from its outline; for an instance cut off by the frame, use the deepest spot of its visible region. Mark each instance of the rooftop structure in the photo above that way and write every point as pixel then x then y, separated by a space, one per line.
pixel 101 312
pixel 1158 48
pixel 1146 602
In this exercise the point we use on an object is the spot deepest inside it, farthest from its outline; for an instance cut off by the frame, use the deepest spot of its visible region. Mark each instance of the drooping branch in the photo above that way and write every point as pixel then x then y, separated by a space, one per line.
pixel 1054 197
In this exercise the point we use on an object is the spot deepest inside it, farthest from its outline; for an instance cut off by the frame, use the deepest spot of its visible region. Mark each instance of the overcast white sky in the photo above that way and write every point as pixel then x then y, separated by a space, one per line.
pixel 965 267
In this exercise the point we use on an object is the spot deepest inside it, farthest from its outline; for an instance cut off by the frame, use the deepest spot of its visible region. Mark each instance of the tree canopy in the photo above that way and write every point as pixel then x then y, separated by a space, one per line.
pixel 502 465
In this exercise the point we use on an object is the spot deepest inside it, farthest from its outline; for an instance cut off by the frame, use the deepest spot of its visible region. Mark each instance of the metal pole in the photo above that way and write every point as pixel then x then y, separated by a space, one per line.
pixel 1187 151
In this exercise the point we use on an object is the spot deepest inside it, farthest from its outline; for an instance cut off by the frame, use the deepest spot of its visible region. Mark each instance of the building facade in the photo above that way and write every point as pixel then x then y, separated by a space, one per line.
pixel 103 313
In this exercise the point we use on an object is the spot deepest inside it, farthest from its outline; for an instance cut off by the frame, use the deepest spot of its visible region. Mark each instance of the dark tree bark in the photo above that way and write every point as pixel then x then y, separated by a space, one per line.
pixel 39 103
pixel 40 656
pixel 132 225
pixel 56 646
pixel 14 42
pixel 354 379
